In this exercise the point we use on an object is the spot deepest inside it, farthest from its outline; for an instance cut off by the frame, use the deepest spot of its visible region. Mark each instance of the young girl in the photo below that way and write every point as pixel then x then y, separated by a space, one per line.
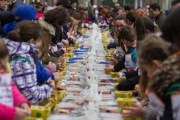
pixel 57 16
pixel 21 45
pixel 161 66
pixel 13 105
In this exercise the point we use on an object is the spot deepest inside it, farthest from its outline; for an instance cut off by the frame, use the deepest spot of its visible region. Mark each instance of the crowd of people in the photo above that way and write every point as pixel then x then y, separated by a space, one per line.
pixel 36 37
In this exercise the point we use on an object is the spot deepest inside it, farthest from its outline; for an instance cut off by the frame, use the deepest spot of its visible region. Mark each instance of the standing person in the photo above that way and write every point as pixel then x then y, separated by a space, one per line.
pixel 21 45
pixel 13 105
pixel 130 18
pixel 45 4
pixel 127 7
pixel 23 12
pixel 119 12
pixel 116 8
pixel 91 15
pixel 175 4
pixel 100 8
pixel 157 14
pixel 65 4
pixel 8 16
pixel 96 11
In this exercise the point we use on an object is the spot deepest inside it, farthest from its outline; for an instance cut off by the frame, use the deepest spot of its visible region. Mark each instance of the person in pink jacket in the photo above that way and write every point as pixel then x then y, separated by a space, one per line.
pixel 13 105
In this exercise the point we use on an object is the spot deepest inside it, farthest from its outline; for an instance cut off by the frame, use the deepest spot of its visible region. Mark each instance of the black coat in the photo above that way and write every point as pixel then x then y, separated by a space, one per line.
pixel 8 16
pixel 128 84
pixel 92 16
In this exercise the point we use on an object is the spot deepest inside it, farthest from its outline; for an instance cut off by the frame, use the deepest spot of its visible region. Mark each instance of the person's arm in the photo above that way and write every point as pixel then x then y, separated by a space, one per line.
pixel 131 74
pixel 43 75
pixel 7 112
pixel 27 83
pixel 128 84
pixel 120 65
pixel 8 16
pixel 49 69
pixel 18 98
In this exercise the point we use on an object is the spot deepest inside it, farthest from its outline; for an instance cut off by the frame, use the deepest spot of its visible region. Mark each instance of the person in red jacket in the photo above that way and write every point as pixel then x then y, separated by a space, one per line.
pixel 13 105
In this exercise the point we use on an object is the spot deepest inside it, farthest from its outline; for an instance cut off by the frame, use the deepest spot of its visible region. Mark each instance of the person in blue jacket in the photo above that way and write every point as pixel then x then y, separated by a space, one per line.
pixel 23 12
pixel 42 74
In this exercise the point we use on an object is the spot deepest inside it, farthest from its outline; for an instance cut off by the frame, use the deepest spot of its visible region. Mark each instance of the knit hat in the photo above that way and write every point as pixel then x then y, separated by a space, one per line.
pixel 25 12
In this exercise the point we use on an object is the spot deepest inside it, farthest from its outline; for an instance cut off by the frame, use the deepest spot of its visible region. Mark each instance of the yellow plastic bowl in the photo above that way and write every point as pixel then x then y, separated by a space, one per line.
pixel 108 55
pixel 63 73
pixel 123 94
pixel 48 100
pixel 30 118
pixel 107 58
pixel 59 94
pixel 65 64
pixel 114 74
pixel 67 58
pixel 116 84
pixel 117 80
pixel 125 111
pixel 61 78
pixel 69 55
pixel 108 72
pixel 40 113
pixel 125 102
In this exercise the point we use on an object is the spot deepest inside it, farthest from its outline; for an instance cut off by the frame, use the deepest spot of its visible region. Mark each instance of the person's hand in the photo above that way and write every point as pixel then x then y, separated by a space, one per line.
pixel 109 67
pixel 133 112
pixel 61 88
pixel 53 65
pixel 51 82
pixel 20 114
pixel 113 61
pixel 26 107
pixel 57 76
pixel 62 59
pixel 65 42
pixel 59 63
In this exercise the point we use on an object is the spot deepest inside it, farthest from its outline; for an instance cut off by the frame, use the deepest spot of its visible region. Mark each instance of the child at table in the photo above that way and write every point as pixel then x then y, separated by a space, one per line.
pixel 129 60
pixel 13 105
pixel 21 45
pixel 160 80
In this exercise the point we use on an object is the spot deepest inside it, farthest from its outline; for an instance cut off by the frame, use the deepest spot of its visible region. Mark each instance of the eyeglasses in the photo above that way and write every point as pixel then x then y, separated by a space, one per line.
pixel 151 11
pixel 119 26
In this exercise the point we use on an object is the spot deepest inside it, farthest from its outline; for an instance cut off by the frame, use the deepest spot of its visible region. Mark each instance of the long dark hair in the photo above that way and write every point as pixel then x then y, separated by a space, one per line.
pixel 142 24
pixel 24 31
